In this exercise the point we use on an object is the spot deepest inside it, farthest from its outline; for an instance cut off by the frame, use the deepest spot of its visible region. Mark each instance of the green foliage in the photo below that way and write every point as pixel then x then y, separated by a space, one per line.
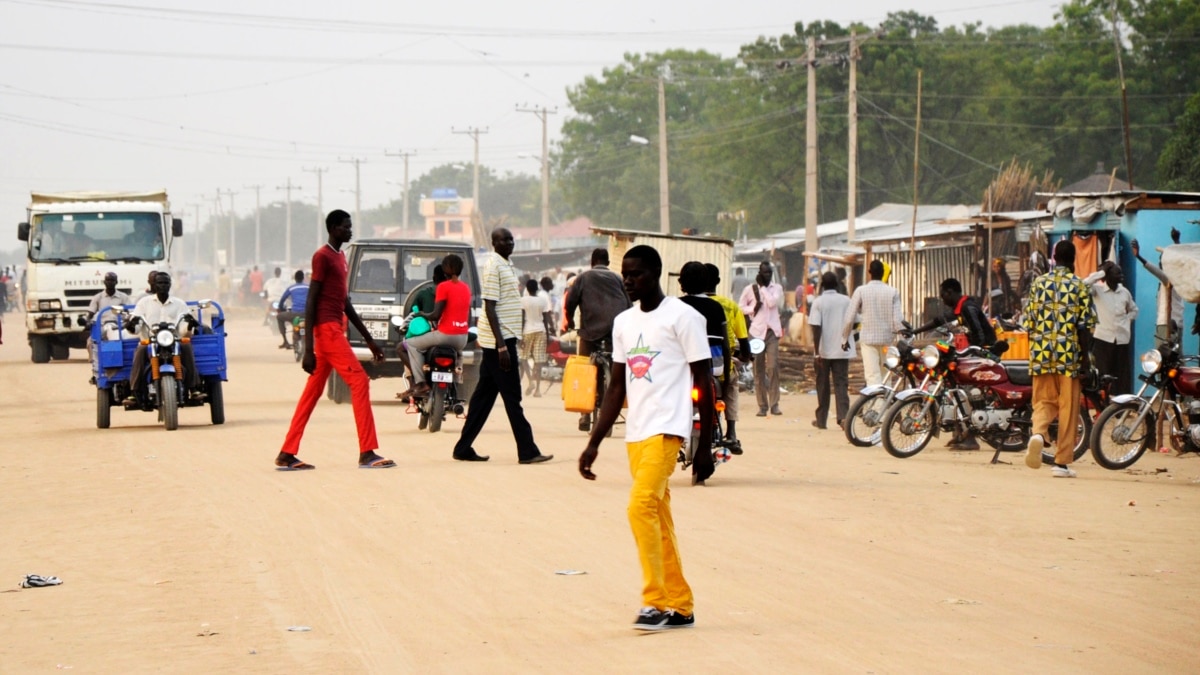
pixel 1047 97
pixel 1179 164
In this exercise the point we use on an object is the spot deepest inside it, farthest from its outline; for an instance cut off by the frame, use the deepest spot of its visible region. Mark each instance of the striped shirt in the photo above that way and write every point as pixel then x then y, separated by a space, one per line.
pixel 499 283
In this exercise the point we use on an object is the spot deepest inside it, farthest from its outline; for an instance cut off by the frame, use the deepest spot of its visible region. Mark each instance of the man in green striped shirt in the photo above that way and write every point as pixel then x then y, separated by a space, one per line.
pixel 499 328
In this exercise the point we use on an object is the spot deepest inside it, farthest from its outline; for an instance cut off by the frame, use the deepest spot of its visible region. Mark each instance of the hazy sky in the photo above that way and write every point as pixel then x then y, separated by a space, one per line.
pixel 195 96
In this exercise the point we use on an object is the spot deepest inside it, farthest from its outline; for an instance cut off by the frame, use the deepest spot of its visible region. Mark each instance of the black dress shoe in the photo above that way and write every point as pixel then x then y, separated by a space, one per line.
pixel 537 459
pixel 472 458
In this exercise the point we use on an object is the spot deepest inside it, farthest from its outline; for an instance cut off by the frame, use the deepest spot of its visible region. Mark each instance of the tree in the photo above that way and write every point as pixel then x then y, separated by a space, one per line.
pixel 1179 163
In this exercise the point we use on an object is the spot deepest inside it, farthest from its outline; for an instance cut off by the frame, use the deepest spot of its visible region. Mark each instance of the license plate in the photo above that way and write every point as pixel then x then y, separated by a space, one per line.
pixel 377 329
pixel 440 376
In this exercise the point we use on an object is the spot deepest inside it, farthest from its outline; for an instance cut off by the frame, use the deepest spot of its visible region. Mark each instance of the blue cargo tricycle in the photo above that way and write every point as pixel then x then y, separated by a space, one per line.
pixel 166 390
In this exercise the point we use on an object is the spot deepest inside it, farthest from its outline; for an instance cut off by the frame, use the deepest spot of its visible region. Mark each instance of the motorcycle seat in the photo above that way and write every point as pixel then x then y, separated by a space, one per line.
pixel 1018 372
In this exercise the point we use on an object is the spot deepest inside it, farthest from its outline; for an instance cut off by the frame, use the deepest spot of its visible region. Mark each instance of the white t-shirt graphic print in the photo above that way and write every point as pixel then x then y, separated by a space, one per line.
pixel 657 349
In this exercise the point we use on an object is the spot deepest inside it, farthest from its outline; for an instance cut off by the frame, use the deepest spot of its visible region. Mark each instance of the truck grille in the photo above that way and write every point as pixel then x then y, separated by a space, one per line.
pixel 80 298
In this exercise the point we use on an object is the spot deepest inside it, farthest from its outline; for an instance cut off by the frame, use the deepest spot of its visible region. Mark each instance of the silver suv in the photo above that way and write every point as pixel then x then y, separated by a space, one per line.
pixel 384 276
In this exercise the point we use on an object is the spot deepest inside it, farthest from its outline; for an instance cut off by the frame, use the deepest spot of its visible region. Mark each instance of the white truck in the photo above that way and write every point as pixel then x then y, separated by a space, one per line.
pixel 72 240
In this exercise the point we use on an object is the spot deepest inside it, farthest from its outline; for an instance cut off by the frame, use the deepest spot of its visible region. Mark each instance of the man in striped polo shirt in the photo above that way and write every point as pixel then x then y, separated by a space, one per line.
pixel 498 373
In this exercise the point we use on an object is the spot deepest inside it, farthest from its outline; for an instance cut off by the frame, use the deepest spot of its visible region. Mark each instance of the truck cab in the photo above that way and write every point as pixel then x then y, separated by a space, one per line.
pixel 384 275
pixel 72 240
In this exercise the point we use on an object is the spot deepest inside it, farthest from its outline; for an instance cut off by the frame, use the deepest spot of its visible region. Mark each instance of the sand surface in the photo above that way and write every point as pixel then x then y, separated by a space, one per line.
pixel 185 552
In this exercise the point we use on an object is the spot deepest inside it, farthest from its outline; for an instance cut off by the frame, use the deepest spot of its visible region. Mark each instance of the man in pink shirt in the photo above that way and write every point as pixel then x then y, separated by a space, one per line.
pixel 761 302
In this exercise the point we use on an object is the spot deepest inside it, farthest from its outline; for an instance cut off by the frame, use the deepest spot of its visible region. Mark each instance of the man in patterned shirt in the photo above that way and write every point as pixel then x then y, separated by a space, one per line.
pixel 879 307
pixel 1060 318
pixel 498 373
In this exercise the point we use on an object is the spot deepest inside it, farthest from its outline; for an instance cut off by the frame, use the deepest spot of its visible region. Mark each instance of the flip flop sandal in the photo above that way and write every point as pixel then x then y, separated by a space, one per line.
pixel 38 581
pixel 379 463
pixel 294 466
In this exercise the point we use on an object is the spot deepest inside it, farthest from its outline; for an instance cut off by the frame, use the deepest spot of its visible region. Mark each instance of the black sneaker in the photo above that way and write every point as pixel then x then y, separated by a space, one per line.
pixel 678 620
pixel 651 619
pixel 585 423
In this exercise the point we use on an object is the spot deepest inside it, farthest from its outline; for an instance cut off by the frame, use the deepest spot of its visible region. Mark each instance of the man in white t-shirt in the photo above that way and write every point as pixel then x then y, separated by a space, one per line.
pixel 536 309
pixel 660 352
pixel 274 288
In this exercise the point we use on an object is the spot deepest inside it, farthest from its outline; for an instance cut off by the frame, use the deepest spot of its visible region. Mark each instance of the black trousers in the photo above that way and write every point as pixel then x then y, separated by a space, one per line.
pixel 839 371
pixel 1113 359
pixel 494 381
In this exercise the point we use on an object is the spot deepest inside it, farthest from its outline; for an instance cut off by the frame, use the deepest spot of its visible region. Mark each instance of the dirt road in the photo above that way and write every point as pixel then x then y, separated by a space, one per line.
pixel 186 552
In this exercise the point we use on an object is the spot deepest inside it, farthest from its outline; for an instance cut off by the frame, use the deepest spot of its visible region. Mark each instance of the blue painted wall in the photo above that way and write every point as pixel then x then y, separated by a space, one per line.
pixel 1152 229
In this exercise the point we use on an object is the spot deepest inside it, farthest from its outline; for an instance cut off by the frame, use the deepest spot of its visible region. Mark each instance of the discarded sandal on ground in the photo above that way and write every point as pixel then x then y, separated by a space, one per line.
pixel 38 581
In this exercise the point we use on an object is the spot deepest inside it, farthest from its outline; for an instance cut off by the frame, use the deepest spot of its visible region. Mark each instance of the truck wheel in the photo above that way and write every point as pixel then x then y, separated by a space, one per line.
pixel 339 391
pixel 103 407
pixel 216 399
pixel 60 351
pixel 40 348
pixel 168 402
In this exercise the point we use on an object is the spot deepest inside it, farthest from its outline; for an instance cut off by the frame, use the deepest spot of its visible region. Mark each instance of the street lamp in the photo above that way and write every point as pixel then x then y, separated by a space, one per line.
pixel 638 140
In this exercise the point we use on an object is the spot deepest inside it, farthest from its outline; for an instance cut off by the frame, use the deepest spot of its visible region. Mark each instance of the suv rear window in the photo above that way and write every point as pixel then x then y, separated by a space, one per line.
pixel 376 272
pixel 418 264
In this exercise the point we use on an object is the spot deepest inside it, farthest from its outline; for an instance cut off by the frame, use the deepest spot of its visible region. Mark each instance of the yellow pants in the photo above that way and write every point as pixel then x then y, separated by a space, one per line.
pixel 1057 395
pixel 651 462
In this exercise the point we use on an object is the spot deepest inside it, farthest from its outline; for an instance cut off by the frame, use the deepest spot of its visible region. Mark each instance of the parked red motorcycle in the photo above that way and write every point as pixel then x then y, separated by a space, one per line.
pixel 972 391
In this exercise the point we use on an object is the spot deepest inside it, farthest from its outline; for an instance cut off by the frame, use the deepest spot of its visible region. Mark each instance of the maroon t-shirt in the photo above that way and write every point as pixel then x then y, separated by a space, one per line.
pixel 329 268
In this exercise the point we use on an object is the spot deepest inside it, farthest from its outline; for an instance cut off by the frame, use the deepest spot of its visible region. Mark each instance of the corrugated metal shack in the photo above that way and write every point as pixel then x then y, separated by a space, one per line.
pixel 675 249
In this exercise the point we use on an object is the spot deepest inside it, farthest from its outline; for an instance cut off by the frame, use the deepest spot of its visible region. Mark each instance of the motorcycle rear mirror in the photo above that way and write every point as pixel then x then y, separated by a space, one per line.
pixel 205 303
pixel 397 320
pixel 472 334
pixel 1000 347
pixel 757 346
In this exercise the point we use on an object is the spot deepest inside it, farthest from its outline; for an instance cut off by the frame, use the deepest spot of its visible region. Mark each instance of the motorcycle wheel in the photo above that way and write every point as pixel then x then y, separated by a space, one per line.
pixel 423 414
pixel 863 425
pixel 216 399
pixel 103 408
pixel 437 410
pixel 905 431
pixel 601 390
pixel 1116 441
pixel 1083 431
pixel 168 401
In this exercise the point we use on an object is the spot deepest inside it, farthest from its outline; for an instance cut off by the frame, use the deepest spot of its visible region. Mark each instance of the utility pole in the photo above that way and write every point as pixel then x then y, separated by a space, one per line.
pixel 216 244
pixel 257 222
pixel 810 154
pixel 543 113
pixel 287 228
pixel 232 228
pixel 474 133
pixel 357 187
pixel 1124 97
pixel 852 152
pixel 664 188
pixel 403 193
pixel 320 216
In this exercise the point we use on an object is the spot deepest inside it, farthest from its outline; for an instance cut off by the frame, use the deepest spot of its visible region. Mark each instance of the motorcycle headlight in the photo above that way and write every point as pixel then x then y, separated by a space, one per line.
pixel 164 338
pixel 930 356
pixel 892 357
pixel 1151 361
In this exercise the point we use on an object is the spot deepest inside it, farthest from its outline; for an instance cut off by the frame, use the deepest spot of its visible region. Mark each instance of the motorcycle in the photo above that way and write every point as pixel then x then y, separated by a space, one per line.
pixel 166 391
pixel 865 416
pixel 1132 422
pixel 720 445
pixel 298 338
pixel 443 372
pixel 969 391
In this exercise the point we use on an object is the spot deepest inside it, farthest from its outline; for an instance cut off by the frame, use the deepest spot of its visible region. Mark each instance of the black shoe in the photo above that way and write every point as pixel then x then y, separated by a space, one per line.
pixel 776 411
pixel 473 457
pixel 734 445
pixel 678 620
pixel 762 412
pixel 651 619
pixel 285 346
pixel 818 425
pixel 537 459
pixel 585 423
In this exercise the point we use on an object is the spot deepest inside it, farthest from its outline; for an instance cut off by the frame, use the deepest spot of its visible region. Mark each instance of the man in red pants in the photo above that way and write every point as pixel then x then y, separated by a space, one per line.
pixel 326 349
